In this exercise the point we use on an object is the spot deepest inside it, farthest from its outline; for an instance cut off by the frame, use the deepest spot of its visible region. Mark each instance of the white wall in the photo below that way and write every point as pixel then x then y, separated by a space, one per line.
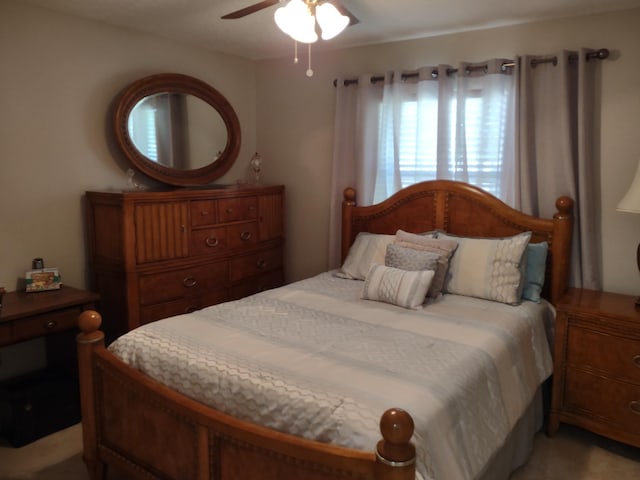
pixel 58 78
pixel 295 123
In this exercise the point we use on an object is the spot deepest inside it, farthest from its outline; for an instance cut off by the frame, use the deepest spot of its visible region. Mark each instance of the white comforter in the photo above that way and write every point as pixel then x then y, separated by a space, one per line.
pixel 314 360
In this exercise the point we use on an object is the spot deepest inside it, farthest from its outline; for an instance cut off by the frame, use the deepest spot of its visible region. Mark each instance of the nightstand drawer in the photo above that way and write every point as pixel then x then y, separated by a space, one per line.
pixel 46 323
pixel 5 333
pixel 617 356
pixel 604 398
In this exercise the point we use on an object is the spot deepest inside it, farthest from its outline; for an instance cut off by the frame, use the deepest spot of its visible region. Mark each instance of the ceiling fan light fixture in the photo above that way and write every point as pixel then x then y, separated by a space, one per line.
pixel 331 21
pixel 296 20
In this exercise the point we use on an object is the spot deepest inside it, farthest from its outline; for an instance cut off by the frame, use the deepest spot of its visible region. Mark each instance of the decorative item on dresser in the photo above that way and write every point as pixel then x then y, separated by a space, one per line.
pixel 154 254
pixel 596 381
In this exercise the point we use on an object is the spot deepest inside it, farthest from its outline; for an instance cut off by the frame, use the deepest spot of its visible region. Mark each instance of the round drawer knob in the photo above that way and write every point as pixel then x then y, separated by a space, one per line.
pixel 50 324
pixel 636 361
pixel 189 282
pixel 244 236
pixel 635 407
pixel 211 242
pixel 261 264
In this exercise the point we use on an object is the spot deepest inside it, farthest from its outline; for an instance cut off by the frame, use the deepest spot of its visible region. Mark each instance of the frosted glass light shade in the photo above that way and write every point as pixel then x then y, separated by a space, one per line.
pixel 631 201
pixel 331 21
pixel 295 20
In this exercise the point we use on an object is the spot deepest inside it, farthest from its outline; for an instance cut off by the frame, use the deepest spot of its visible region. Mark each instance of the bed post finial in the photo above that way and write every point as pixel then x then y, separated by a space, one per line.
pixel 349 196
pixel 561 247
pixel 395 454
pixel 88 340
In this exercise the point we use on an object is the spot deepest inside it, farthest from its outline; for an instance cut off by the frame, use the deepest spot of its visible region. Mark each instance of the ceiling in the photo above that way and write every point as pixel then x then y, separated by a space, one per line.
pixel 256 36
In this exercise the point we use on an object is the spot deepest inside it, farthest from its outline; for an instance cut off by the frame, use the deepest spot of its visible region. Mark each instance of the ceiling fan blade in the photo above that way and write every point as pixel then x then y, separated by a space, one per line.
pixel 344 11
pixel 243 12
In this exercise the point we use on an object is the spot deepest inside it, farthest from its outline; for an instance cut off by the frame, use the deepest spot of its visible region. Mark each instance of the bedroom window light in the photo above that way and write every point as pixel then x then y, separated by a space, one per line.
pixel 467 135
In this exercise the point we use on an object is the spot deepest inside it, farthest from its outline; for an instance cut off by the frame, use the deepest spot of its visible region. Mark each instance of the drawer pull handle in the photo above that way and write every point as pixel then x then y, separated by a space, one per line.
pixel 50 324
pixel 229 210
pixel 245 236
pixel 261 264
pixel 204 213
pixel 636 360
pixel 189 282
pixel 635 407
pixel 211 242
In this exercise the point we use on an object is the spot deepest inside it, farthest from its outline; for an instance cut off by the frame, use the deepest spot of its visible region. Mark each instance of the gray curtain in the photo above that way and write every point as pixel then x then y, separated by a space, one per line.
pixel 556 145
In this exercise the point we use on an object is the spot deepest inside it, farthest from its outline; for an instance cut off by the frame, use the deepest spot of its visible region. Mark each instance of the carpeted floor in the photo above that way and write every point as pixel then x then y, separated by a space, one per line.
pixel 572 454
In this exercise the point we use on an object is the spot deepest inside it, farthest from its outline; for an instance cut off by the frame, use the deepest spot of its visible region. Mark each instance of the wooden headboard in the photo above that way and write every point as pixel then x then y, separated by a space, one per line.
pixel 462 209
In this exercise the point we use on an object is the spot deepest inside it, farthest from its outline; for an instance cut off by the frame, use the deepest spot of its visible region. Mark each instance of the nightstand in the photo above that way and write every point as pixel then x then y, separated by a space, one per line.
pixel 596 379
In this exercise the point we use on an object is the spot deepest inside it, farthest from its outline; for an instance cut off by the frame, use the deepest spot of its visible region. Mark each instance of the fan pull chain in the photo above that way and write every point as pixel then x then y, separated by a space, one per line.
pixel 295 51
pixel 309 71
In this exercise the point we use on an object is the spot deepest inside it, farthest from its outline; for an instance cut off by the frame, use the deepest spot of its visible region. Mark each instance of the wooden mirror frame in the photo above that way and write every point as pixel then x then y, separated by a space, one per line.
pixel 176 83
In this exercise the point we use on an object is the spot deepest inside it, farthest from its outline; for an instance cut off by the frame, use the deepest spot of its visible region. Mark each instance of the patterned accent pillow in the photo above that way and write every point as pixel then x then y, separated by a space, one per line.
pixel 411 259
pixel 367 248
pixel 488 268
pixel 397 287
pixel 443 248
pixel 536 255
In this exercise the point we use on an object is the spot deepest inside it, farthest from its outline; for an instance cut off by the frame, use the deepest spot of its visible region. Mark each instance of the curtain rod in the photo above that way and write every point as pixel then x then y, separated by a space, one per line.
pixel 600 54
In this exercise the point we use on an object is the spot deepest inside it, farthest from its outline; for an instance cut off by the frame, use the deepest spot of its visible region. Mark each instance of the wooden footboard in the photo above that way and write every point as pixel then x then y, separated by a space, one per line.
pixel 147 430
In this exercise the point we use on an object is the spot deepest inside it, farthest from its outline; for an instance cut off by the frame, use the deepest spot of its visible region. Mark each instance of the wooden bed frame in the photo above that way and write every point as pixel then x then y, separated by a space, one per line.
pixel 146 430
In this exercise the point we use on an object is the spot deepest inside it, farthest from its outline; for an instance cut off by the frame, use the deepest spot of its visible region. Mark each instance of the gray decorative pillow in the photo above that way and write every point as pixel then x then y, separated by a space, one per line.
pixel 443 248
pixel 397 287
pixel 411 259
pixel 488 268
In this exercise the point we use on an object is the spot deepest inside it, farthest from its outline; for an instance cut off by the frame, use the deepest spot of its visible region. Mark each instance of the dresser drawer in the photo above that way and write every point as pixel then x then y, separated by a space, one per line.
pixel 260 283
pixel 151 313
pixel 242 234
pixel 250 265
pixel 209 241
pixel 203 212
pixel 46 323
pixel 185 282
pixel 607 399
pixel 618 356
pixel 237 209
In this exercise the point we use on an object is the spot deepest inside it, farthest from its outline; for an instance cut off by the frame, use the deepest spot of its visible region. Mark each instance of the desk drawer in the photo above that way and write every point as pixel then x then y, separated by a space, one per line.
pixel 46 323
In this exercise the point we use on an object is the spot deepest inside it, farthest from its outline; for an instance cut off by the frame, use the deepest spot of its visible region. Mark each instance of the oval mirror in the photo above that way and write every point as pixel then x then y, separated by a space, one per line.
pixel 177 129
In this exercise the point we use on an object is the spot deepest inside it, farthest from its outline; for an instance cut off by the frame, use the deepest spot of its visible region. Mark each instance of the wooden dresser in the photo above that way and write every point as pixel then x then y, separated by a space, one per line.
pixel 596 380
pixel 154 254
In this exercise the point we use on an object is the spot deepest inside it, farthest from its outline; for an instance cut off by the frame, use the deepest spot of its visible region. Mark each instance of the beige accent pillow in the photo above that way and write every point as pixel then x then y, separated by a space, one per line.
pixel 403 288
pixel 367 249
pixel 444 249
pixel 488 268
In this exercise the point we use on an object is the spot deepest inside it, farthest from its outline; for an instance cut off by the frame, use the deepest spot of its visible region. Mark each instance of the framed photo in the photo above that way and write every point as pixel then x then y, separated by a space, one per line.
pixel 43 279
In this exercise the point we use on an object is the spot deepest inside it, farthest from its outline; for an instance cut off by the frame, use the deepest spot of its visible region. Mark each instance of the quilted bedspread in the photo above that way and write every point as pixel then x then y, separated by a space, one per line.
pixel 314 360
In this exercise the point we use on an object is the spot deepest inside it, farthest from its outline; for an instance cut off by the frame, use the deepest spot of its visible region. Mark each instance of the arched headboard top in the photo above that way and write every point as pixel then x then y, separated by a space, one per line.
pixel 465 210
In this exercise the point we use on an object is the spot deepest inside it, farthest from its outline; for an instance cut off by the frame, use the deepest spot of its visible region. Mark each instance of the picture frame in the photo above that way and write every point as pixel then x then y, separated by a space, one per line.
pixel 42 280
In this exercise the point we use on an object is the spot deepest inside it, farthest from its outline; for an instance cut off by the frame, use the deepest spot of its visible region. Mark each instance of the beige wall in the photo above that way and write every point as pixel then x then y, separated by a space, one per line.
pixel 58 78
pixel 60 74
pixel 295 123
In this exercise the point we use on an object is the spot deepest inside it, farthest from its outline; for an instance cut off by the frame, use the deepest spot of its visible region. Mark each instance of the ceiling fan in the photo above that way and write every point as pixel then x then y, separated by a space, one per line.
pixel 256 7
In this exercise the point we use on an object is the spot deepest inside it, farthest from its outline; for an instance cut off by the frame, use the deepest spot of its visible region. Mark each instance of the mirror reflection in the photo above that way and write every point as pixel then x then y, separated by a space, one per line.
pixel 177 130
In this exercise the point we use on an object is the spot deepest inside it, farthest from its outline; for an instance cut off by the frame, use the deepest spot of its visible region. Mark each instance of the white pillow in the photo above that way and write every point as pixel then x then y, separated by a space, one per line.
pixel 367 249
pixel 398 287
pixel 488 268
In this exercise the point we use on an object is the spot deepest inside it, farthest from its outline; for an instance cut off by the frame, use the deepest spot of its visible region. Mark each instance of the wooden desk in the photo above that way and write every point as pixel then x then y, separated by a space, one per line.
pixel 45 314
